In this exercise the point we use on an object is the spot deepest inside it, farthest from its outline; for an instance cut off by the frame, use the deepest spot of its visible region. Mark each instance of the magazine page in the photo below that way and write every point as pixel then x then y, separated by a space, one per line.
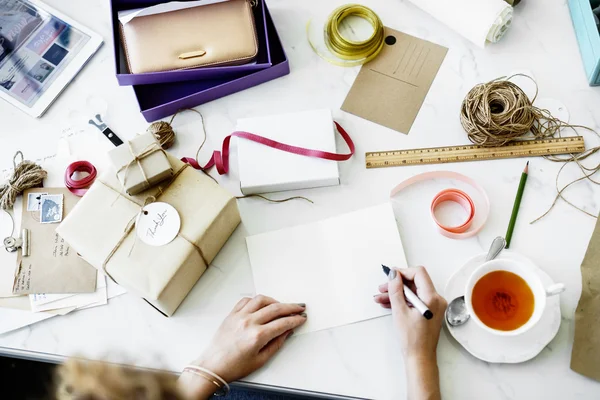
pixel 35 47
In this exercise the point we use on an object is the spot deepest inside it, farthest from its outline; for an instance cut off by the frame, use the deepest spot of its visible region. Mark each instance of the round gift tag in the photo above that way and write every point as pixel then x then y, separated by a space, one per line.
pixel 158 224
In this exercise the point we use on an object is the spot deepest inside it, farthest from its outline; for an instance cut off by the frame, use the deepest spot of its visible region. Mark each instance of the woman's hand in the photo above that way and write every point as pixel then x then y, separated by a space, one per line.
pixel 250 335
pixel 418 336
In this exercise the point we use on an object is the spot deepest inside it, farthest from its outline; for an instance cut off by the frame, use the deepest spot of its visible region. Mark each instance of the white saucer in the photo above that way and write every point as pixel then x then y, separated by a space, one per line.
pixel 503 349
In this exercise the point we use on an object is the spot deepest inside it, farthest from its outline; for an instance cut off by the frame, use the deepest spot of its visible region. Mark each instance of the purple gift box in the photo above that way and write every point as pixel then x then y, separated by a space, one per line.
pixel 263 58
pixel 161 100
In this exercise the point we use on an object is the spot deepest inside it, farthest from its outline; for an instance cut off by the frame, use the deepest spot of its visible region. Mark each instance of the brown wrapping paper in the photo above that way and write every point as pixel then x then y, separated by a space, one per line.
pixel 585 358
pixel 138 175
pixel 162 275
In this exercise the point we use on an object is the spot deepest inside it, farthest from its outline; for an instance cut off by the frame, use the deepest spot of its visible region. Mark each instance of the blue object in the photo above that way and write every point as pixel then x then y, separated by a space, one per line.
pixel 588 38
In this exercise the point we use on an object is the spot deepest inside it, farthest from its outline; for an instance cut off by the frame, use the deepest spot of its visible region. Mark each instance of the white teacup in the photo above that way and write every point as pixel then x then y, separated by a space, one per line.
pixel 529 276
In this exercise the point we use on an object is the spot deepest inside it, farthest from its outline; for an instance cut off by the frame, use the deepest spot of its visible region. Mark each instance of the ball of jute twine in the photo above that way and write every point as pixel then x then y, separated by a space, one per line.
pixel 26 175
pixel 499 112
pixel 163 132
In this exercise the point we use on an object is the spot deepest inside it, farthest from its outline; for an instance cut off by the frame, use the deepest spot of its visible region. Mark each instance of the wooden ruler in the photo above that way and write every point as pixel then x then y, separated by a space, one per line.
pixel 450 154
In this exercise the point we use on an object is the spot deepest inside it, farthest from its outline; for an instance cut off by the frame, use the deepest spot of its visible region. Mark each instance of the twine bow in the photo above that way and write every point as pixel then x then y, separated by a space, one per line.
pixel 137 159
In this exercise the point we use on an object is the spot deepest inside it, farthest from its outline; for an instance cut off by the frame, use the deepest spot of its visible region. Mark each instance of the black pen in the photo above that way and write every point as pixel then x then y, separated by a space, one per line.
pixel 412 297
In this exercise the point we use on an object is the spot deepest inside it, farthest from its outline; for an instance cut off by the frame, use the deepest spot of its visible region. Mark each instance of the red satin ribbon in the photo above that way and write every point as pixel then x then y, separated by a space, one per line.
pixel 456 196
pixel 79 187
pixel 220 159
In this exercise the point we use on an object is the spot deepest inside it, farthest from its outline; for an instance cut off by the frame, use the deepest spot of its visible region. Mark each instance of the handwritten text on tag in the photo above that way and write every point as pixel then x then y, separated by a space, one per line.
pixel 158 224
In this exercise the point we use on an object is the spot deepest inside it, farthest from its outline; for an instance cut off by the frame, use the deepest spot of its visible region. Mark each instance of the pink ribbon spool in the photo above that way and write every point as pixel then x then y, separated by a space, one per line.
pixel 466 229
pixel 455 196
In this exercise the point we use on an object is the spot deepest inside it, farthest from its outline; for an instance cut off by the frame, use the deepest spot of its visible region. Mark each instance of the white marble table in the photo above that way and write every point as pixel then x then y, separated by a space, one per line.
pixel 360 360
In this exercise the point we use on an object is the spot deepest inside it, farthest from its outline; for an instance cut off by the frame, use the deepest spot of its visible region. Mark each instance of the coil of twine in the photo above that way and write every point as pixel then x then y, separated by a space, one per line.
pixel 499 112
pixel 163 132
pixel 26 175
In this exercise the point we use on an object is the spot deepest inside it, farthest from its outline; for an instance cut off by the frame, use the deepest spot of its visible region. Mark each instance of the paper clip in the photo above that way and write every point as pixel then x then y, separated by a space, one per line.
pixel 12 244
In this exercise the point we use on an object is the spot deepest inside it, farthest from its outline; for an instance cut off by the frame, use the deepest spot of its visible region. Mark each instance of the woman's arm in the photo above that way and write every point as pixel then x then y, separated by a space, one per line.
pixel 252 333
pixel 423 378
pixel 418 336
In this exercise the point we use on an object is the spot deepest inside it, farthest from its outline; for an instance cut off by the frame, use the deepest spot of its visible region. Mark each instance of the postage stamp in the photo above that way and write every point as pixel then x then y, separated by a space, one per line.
pixel 51 208
pixel 34 200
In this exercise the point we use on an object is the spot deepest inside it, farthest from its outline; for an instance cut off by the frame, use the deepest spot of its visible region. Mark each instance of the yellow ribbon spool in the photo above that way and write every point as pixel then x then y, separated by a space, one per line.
pixel 354 53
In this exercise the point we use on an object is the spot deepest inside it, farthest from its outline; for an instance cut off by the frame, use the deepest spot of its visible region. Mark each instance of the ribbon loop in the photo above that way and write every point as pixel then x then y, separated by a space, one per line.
pixel 79 187
pixel 220 159
pixel 466 229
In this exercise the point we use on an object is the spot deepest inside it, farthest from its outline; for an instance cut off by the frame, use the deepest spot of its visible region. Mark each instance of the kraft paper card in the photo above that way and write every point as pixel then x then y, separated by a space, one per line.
pixel 334 265
pixel 585 358
pixel 53 266
pixel 391 89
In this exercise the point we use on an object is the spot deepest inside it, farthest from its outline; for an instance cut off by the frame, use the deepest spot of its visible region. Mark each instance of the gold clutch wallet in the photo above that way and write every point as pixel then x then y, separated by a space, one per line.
pixel 212 35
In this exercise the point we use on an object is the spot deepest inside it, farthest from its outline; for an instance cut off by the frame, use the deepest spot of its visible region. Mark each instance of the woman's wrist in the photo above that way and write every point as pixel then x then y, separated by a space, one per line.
pixel 195 387
pixel 422 375
pixel 420 358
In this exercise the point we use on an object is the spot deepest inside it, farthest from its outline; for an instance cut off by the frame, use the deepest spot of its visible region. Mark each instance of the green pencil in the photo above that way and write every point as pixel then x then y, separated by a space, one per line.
pixel 515 211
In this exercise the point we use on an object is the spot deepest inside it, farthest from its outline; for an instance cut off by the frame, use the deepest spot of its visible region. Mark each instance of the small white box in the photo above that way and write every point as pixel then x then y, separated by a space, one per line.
pixel 263 169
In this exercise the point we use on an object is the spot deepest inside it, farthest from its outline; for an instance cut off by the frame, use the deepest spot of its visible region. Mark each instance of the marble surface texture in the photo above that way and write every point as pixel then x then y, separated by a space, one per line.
pixel 363 359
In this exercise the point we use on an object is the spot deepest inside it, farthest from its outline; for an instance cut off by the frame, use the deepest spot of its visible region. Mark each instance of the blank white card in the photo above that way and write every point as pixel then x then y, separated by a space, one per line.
pixel 334 265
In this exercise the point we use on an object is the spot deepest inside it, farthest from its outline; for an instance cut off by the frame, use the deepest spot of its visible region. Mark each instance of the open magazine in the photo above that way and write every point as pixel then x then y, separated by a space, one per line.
pixel 41 51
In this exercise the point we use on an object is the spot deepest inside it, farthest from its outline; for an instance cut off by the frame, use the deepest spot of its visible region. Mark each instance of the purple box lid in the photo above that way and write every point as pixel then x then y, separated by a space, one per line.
pixel 161 100
pixel 263 58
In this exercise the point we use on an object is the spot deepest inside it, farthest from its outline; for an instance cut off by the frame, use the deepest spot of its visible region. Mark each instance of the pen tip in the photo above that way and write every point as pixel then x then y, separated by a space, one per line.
pixel 386 270
pixel 526 167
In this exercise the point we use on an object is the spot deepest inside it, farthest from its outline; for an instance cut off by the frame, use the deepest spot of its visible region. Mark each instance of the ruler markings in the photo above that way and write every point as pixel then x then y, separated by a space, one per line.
pixel 449 154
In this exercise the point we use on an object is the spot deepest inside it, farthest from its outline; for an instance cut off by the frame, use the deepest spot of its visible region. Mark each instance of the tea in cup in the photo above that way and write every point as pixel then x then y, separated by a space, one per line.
pixel 506 297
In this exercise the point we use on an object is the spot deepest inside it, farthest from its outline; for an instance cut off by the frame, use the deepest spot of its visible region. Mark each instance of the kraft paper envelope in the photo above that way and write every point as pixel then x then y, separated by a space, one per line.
pixel 52 267
pixel 585 358
pixel 391 89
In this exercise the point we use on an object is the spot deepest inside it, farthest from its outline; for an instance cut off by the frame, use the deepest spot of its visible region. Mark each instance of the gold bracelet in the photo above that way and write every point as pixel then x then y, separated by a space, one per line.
pixel 220 383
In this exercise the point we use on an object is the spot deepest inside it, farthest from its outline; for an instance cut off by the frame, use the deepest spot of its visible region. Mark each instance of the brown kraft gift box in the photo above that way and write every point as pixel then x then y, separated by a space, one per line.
pixel 99 229
pixel 141 163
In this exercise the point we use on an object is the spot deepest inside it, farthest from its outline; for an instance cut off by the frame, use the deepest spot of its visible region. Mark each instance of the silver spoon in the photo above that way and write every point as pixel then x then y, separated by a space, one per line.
pixel 456 313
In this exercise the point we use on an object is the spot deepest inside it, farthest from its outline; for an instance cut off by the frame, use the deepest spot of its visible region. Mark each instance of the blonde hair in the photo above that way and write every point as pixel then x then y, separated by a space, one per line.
pixel 91 380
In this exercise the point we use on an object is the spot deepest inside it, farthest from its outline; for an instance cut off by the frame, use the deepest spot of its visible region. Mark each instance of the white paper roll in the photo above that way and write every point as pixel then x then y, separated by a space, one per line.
pixel 480 21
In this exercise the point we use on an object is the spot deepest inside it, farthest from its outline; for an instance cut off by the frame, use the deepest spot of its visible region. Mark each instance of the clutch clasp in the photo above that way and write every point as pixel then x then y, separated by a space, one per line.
pixel 192 54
